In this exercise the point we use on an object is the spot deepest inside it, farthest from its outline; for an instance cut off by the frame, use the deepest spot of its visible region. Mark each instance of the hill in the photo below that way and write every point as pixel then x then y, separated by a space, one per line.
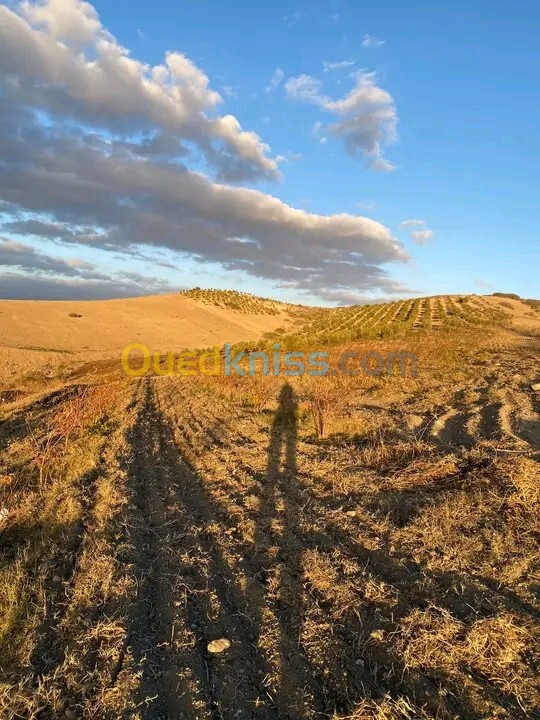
pixel 39 336
pixel 36 334
pixel 236 301
pixel 385 320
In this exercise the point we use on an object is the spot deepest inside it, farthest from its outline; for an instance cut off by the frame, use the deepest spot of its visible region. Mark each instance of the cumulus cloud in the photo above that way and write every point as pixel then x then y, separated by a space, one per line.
pixel 55 55
pixel 370 41
pixel 418 231
pixel 367 115
pixel 117 178
pixel 275 80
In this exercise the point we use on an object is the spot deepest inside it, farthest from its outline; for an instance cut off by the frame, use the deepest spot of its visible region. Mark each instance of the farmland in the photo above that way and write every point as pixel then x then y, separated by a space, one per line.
pixel 338 325
pixel 368 546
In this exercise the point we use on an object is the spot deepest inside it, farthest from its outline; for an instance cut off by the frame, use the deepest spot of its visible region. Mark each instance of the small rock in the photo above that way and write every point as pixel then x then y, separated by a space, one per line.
pixel 219 646
pixel 361 662
pixel 536 387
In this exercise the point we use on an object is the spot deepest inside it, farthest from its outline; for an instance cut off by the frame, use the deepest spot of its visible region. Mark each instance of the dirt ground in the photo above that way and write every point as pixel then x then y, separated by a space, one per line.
pixel 388 571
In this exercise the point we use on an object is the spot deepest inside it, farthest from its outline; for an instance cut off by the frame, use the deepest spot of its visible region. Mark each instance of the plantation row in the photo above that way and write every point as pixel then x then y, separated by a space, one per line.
pixel 237 301
pixel 336 325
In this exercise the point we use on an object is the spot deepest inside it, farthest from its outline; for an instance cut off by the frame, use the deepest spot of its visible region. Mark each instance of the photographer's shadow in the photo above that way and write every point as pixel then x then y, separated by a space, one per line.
pixel 278 556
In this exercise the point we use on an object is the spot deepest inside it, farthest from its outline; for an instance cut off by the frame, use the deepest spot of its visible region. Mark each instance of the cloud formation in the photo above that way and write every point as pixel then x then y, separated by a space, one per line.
pixel 275 80
pixel 94 152
pixel 36 275
pixel 56 56
pixel 341 65
pixel 25 257
pixel 418 231
pixel 15 286
pixel 367 115
pixel 370 41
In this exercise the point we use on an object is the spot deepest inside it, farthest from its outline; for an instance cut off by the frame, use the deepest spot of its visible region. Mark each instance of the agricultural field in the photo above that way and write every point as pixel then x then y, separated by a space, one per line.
pixel 385 320
pixel 268 547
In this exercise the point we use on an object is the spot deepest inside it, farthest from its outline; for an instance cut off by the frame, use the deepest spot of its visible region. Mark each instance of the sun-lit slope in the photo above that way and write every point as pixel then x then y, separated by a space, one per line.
pixel 162 322
pixel 241 302
pixel 336 325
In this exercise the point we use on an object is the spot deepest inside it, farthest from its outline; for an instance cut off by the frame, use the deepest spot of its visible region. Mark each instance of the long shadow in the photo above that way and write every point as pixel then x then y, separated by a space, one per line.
pixel 216 684
pixel 28 419
pixel 278 557
pixel 263 616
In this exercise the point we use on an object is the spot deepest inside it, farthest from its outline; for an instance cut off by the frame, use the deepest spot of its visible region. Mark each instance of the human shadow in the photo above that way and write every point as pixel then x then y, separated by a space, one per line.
pixel 278 559
pixel 289 657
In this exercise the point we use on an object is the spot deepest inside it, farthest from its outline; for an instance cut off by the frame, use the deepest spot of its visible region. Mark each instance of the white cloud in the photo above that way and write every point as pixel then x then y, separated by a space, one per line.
pixel 72 23
pixel 370 41
pixel 275 80
pixel 341 65
pixel 129 203
pixel 418 231
pixel 368 115
pixel 422 236
pixel 288 157
pixel 412 223
pixel 57 56
pixel 117 179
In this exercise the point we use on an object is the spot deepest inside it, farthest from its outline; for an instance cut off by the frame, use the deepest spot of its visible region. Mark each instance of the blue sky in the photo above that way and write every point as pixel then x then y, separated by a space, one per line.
pixel 463 82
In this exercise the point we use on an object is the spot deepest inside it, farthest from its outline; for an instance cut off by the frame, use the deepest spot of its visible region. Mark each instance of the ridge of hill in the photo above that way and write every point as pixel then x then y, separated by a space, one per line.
pixel 238 301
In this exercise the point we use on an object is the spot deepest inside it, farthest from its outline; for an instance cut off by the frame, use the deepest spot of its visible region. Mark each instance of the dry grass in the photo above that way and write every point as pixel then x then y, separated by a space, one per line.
pixel 369 546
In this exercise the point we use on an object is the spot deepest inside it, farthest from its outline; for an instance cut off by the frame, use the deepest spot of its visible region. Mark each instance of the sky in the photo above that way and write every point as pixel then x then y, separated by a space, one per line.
pixel 322 152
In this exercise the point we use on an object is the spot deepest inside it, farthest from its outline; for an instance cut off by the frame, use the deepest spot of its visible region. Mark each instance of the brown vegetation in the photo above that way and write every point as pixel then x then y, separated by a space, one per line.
pixel 356 547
